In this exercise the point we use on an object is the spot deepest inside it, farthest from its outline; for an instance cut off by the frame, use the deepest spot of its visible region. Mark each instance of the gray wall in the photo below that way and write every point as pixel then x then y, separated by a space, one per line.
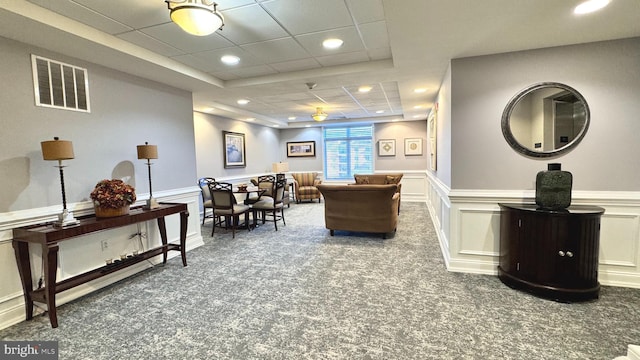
pixel 125 111
pixel 607 74
pixel 262 147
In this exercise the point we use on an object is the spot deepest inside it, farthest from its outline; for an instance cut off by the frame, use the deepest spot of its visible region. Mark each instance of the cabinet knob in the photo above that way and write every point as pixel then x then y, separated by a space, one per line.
pixel 561 253
pixel 569 254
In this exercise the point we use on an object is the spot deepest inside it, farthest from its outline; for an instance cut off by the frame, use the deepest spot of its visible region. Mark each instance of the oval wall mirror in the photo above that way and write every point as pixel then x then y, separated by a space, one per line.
pixel 545 119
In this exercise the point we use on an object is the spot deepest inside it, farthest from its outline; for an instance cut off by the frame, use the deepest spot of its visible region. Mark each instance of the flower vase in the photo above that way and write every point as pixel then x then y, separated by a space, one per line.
pixel 104 212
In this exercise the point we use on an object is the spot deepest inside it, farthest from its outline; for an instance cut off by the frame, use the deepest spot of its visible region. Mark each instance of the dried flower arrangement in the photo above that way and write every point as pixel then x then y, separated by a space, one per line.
pixel 113 194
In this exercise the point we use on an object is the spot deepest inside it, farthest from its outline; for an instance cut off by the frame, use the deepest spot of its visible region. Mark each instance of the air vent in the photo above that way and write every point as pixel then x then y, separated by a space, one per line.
pixel 59 85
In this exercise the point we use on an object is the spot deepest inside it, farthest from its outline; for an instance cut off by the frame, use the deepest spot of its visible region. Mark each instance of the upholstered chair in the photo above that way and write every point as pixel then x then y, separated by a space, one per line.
pixel 305 186
pixel 266 182
pixel 225 205
pixel 206 197
pixel 271 206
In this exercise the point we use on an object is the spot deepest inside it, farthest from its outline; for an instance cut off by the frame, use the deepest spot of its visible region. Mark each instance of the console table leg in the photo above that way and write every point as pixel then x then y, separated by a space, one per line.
pixel 50 256
pixel 163 236
pixel 184 216
pixel 21 250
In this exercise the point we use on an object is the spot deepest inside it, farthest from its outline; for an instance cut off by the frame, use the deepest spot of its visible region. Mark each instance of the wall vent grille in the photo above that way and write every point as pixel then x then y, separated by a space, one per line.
pixel 59 85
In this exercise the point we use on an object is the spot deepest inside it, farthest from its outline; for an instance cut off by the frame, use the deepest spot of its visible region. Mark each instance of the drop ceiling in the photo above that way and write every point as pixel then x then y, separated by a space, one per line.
pixel 393 46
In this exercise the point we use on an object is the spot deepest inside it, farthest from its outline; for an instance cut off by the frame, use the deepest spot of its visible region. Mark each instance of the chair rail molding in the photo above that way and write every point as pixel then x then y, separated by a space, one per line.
pixel 467 222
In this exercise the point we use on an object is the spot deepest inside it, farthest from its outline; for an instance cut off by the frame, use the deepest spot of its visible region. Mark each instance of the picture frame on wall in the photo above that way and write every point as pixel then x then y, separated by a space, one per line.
pixel 387 147
pixel 301 148
pixel 234 150
pixel 432 129
pixel 413 146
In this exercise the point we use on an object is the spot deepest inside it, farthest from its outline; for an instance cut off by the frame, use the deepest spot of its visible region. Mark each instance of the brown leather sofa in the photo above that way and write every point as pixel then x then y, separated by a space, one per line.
pixel 362 208
pixel 381 179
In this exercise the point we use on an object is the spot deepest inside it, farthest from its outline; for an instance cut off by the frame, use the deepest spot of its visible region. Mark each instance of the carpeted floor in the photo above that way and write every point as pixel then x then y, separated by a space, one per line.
pixel 299 293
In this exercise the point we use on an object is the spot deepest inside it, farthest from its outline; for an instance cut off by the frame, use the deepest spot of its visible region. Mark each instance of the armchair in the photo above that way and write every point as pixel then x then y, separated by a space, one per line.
pixel 304 185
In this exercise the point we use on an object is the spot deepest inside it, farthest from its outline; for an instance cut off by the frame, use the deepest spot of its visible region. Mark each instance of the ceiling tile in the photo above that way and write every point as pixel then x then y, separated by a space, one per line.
pixel 194 62
pixel 365 11
pixel 341 59
pixel 306 16
pixel 380 53
pixel 143 14
pixel 84 15
pixel 231 4
pixel 375 34
pixel 313 42
pixel 149 43
pixel 296 65
pixel 250 24
pixel 173 35
pixel 251 71
pixel 279 50
pixel 224 75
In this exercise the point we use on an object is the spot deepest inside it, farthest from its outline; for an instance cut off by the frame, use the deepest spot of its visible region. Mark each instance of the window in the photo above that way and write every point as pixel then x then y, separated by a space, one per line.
pixel 60 85
pixel 347 151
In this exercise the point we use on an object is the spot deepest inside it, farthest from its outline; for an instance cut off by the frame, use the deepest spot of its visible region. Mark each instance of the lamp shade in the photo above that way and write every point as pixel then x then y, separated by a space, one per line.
pixel 280 167
pixel 147 151
pixel 57 149
pixel 196 17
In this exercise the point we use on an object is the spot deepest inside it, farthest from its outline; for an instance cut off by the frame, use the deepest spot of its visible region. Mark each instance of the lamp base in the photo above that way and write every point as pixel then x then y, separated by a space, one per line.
pixel 65 219
pixel 151 204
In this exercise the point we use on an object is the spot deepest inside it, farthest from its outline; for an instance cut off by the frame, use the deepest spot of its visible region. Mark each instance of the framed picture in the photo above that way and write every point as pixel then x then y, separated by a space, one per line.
pixel 386 147
pixel 301 148
pixel 432 129
pixel 234 150
pixel 413 146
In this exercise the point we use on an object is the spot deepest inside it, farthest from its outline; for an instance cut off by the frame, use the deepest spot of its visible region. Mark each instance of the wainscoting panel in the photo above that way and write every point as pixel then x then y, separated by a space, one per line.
pixel 86 252
pixel 470 242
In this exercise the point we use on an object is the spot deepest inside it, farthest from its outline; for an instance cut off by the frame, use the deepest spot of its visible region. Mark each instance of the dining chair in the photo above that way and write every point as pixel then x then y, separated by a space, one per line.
pixel 206 197
pixel 271 206
pixel 265 183
pixel 225 204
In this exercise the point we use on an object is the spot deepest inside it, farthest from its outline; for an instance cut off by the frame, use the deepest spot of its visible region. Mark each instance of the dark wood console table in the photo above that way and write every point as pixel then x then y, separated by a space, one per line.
pixel 48 237
pixel 552 254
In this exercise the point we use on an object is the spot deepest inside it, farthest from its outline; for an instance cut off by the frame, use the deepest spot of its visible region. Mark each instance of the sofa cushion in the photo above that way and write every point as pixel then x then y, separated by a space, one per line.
pixel 361 179
pixel 393 179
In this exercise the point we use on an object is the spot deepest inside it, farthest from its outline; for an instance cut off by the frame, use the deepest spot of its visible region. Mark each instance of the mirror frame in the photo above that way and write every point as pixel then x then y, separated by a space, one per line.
pixel 506 115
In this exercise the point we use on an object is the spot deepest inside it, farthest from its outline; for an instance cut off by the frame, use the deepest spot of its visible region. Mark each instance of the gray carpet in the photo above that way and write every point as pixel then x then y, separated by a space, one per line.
pixel 301 294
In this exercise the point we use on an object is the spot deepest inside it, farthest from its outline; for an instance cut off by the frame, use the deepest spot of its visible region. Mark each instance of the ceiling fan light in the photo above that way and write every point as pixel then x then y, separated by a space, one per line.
pixel 196 17
pixel 319 115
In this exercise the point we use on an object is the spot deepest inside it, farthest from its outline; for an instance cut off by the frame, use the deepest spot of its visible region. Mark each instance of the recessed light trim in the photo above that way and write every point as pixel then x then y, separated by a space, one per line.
pixel 243 101
pixel 251 119
pixel 332 43
pixel 418 107
pixel 291 118
pixel 419 90
pixel 230 60
pixel 364 89
pixel 590 6
pixel 380 112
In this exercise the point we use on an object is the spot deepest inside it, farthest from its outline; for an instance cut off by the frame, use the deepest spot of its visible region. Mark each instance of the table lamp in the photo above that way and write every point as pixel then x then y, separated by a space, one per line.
pixel 149 152
pixel 59 150
pixel 280 168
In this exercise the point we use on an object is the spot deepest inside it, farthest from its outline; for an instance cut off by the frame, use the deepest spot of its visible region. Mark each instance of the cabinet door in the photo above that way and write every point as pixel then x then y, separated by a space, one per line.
pixel 577 253
pixel 509 239
pixel 534 245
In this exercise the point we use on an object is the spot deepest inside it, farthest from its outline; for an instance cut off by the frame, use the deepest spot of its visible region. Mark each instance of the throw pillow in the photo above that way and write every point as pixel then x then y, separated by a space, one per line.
pixel 361 180
pixel 392 179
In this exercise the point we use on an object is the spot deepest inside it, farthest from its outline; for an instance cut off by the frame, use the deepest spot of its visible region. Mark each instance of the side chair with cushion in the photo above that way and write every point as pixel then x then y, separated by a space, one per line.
pixel 305 186
pixel 206 197
pixel 266 182
pixel 272 205
pixel 224 204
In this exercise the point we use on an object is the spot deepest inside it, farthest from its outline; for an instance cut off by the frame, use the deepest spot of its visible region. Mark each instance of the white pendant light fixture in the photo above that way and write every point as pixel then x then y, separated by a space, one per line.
pixel 319 115
pixel 197 17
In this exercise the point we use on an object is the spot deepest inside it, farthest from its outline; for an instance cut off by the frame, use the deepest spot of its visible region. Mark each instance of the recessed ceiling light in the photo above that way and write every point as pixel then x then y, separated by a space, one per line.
pixel 242 102
pixel 395 120
pixel 251 119
pixel 418 107
pixel 364 89
pixel 590 6
pixel 380 112
pixel 307 126
pixel 419 90
pixel 416 116
pixel 276 125
pixel 230 59
pixel 332 43
pixel 291 117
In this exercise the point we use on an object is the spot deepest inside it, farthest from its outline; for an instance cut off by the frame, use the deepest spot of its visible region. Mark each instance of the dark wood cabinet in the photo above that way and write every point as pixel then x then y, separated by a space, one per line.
pixel 552 254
